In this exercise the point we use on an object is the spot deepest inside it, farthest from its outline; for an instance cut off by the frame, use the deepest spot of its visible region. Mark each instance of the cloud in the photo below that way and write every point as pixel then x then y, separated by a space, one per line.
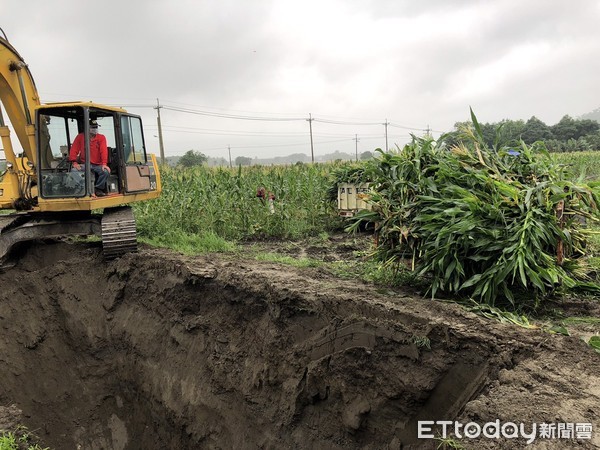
pixel 416 64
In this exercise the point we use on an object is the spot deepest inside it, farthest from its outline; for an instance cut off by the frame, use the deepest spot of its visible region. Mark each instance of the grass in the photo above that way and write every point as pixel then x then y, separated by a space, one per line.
pixel 288 260
pixel 191 244
pixel 19 439
pixel 372 271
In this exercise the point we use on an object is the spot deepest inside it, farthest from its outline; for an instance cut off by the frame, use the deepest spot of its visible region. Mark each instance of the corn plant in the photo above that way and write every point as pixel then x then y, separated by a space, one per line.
pixel 483 222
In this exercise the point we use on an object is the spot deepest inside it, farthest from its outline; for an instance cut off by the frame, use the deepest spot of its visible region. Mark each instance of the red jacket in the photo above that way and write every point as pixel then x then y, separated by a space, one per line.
pixel 98 150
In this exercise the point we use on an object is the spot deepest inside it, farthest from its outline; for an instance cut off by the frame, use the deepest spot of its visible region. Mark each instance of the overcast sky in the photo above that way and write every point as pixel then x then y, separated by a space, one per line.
pixel 417 64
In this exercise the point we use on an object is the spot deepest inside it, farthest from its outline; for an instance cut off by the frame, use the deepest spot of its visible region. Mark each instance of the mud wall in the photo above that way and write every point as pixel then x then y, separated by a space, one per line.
pixel 159 351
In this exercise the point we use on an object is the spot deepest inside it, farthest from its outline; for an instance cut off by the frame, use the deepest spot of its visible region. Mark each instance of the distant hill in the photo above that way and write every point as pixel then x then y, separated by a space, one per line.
pixel 303 158
pixel 277 160
pixel 594 115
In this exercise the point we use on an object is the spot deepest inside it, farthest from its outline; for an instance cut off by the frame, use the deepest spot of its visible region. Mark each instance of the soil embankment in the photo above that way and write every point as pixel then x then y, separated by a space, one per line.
pixel 160 351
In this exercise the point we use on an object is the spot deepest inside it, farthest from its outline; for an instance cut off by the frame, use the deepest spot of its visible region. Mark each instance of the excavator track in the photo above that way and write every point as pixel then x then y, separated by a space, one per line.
pixel 22 227
pixel 119 234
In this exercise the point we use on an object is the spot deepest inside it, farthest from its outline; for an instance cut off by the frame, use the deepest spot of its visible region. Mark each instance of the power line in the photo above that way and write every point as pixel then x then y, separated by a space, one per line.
pixel 233 116
pixel 267 117
pixel 286 119
pixel 339 122
pixel 392 136
pixel 202 107
pixel 185 129
pixel 406 128
pixel 248 117
pixel 133 106
pixel 267 134
pixel 249 134
pixel 279 145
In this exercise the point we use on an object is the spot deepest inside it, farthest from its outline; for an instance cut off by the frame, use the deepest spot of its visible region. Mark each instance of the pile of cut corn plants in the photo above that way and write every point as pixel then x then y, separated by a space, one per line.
pixel 493 224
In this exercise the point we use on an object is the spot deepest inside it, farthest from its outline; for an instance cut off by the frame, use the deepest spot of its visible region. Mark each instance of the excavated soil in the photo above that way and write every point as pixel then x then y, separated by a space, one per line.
pixel 161 351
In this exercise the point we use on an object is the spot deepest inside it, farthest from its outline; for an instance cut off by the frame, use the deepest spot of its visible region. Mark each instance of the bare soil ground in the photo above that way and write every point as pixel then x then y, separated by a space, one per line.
pixel 162 351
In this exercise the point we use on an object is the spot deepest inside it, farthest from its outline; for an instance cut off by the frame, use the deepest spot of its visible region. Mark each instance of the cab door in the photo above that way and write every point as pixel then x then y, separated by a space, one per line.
pixel 138 174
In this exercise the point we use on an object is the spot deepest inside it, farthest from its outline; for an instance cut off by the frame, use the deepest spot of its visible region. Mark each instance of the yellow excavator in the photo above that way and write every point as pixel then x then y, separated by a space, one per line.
pixel 42 193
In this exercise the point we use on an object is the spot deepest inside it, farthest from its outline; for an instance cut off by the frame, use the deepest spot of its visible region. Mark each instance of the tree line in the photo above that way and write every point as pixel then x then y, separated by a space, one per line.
pixel 195 158
pixel 568 135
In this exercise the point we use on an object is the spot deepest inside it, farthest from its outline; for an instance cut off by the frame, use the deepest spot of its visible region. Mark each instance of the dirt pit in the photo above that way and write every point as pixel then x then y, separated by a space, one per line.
pixel 160 351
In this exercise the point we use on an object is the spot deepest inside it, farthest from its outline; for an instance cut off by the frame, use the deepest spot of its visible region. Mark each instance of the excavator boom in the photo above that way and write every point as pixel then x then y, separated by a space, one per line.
pixel 19 97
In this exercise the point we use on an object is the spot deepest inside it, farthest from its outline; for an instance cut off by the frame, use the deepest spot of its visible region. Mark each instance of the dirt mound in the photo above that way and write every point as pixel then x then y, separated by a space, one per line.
pixel 160 351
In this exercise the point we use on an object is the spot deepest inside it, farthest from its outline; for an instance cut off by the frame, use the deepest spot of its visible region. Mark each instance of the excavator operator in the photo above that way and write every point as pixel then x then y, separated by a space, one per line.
pixel 98 157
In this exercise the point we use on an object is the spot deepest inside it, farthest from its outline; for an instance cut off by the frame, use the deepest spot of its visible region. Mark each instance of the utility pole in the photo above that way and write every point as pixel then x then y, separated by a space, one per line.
pixel 428 131
pixel 312 150
pixel 386 135
pixel 229 149
pixel 356 142
pixel 160 137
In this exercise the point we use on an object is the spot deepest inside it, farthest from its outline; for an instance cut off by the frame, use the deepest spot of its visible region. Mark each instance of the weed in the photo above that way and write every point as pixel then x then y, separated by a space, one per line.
pixel 594 342
pixel 19 439
pixel 449 443
pixel 8 441
pixel 557 329
pixel 323 237
pixel 421 341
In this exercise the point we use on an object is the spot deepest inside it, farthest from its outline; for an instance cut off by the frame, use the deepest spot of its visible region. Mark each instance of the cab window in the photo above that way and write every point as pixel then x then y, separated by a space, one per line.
pixel 133 140
pixel 56 131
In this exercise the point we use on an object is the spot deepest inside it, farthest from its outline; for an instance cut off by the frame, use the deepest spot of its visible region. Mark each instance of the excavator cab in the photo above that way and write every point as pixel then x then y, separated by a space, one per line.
pixel 130 170
pixel 53 198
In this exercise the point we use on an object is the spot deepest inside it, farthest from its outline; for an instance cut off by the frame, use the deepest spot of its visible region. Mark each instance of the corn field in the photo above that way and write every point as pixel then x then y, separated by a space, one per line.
pixel 584 166
pixel 224 202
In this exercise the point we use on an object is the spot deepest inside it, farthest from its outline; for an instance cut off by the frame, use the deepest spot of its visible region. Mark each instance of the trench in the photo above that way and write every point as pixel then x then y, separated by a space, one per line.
pixel 160 351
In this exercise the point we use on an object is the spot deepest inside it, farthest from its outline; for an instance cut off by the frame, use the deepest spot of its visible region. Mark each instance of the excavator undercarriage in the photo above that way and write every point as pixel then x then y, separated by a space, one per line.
pixel 116 228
